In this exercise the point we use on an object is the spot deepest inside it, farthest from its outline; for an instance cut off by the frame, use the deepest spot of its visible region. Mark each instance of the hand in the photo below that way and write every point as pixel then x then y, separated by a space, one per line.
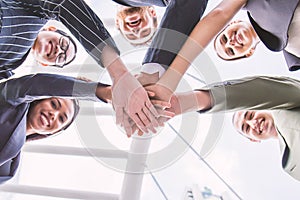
pixel 164 116
pixel 147 79
pixel 161 92
pixel 82 78
pixel 128 96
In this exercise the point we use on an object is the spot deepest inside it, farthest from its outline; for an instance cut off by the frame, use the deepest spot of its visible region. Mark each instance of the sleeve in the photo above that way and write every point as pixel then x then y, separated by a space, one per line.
pixel 292 61
pixel 255 93
pixel 9 169
pixel 82 22
pixel 32 87
pixel 176 25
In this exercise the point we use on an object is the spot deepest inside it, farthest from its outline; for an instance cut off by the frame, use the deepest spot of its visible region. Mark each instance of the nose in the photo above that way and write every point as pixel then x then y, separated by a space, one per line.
pixel 253 123
pixel 232 41
pixel 136 30
pixel 58 50
pixel 53 115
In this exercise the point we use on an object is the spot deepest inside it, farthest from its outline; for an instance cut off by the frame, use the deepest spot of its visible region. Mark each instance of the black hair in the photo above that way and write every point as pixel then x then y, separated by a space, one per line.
pixel 37 136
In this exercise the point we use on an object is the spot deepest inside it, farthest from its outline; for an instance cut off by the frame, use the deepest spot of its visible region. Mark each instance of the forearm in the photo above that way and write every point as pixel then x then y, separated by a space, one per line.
pixel 206 29
pixel 255 93
pixel 32 87
pixel 113 63
pixel 191 101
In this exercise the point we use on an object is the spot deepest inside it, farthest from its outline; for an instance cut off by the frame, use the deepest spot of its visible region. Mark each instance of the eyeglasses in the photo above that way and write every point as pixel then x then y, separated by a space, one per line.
pixel 64 43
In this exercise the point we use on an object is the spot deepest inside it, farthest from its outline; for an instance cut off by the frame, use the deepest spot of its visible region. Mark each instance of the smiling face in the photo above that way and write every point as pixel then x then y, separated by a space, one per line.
pixel 49 115
pixel 237 40
pixel 255 125
pixel 53 48
pixel 136 24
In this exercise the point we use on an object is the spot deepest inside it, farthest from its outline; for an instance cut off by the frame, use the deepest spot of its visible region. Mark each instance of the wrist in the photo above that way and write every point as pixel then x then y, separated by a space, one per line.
pixel 170 79
pixel 103 92
pixel 204 99
pixel 188 102
pixel 113 63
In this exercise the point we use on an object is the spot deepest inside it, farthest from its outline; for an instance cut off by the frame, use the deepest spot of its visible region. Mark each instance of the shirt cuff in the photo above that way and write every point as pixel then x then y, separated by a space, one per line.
pixel 151 68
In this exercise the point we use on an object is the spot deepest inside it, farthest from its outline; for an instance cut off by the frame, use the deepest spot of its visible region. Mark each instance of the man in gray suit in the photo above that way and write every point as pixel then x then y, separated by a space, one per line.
pixel 259 116
pixel 281 125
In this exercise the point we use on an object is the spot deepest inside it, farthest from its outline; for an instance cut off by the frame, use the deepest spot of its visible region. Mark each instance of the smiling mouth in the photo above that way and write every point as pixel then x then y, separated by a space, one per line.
pixel 134 23
pixel 238 38
pixel 44 119
pixel 50 45
pixel 261 125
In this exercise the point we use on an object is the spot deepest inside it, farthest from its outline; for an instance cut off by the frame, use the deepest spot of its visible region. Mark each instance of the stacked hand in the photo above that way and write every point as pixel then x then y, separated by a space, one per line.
pixel 159 98
pixel 130 101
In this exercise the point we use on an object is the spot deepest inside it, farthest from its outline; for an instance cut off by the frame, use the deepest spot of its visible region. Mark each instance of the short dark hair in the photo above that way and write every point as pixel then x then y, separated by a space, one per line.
pixel 37 136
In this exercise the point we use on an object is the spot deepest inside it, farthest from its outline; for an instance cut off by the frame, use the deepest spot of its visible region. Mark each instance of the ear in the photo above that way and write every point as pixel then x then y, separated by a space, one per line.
pixel 43 64
pixel 152 11
pixel 251 52
pixel 51 28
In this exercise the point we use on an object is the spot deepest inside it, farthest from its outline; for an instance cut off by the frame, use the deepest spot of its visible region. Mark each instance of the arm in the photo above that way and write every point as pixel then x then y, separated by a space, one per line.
pixel 202 34
pixel 254 93
pixel 128 95
pixel 38 86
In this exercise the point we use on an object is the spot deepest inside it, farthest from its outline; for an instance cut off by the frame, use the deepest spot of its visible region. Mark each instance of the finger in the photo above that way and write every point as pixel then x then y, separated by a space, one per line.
pixel 148 119
pixel 139 123
pixel 151 94
pixel 119 115
pixel 127 126
pixel 145 119
pixel 167 114
pixel 152 109
pixel 162 121
pixel 140 133
pixel 134 129
pixel 161 103
pixel 152 119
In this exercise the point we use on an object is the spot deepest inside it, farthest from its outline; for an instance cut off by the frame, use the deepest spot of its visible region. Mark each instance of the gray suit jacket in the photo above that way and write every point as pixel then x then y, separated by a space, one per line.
pixel 271 20
pixel 287 124
pixel 279 94
pixel 15 98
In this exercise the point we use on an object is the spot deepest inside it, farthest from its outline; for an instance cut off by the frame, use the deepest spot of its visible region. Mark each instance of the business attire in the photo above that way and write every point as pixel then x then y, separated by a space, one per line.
pixel 138 3
pixel 21 20
pixel 15 98
pixel 176 25
pixel 271 20
pixel 281 95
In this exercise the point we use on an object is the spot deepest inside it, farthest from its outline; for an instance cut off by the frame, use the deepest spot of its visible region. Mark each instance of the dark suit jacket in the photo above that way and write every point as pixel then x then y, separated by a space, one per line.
pixel 138 3
pixel 15 98
pixel 271 20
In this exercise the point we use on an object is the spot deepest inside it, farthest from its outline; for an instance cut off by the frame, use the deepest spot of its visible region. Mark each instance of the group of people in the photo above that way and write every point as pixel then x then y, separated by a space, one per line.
pixel 40 105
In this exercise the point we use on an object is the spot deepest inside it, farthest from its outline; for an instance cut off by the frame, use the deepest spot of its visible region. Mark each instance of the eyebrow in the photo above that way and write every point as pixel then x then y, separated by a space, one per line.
pixel 221 39
pixel 226 50
pixel 145 32
pixel 243 125
pixel 131 36
pixel 59 104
